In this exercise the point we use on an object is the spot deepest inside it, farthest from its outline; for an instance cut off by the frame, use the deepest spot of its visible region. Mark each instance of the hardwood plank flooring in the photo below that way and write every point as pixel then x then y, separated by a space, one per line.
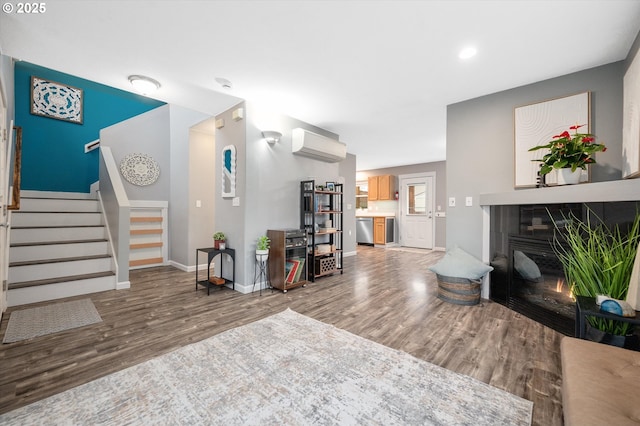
pixel 387 296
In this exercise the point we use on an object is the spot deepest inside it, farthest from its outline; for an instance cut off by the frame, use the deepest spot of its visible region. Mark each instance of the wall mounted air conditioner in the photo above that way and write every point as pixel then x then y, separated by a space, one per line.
pixel 309 144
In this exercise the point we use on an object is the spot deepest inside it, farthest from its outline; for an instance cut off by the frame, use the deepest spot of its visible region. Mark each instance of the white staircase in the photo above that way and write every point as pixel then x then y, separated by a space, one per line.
pixel 58 248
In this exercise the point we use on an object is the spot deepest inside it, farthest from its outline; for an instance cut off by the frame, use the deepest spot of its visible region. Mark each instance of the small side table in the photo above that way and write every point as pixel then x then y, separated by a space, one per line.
pixel 211 254
pixel 261 272
pixel 586 307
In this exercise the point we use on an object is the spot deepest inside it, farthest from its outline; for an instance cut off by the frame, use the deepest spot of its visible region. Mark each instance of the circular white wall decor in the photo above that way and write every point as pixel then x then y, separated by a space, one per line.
pixel 139 169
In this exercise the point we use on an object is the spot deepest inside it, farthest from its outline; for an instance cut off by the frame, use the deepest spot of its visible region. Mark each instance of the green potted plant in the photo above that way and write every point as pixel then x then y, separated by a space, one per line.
pixel 569 154
pixel 262 248
pixel 218 238
pixel 598 260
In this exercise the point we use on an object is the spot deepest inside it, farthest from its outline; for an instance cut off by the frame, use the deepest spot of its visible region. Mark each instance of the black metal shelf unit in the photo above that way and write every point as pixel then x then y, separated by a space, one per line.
pixel 321 218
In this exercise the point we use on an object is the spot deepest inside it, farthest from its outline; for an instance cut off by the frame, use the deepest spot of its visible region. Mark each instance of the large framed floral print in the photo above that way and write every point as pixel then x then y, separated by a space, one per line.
pixel 56 100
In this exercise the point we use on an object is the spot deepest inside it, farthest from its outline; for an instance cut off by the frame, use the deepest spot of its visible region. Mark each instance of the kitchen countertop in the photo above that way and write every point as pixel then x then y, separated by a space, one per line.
pixel 375 214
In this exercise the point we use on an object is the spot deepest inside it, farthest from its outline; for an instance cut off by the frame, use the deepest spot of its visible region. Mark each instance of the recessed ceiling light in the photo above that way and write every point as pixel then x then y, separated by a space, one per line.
pixel 226 84
pixel 467 52
pixel 144 85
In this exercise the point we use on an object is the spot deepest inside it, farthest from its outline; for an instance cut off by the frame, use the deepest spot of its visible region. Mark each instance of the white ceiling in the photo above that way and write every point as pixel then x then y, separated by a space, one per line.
pixel 378 73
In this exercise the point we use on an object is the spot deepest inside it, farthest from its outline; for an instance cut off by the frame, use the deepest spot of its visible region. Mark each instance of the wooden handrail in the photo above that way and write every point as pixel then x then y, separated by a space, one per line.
pixel 17 160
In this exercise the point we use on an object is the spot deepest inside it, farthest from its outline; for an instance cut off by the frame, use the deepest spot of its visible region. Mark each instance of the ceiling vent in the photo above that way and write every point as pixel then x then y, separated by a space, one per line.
pixel 309 144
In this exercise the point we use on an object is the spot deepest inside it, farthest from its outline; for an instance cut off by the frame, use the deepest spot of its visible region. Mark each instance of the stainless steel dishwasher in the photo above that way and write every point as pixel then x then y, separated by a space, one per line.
pixel 364 230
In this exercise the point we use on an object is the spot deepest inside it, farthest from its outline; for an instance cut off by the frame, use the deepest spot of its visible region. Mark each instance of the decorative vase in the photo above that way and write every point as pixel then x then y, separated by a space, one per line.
pixel 262 255
pixel 216 244
pixel 567 177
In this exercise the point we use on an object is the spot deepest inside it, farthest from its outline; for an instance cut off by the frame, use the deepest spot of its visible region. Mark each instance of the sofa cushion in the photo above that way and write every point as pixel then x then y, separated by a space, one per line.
pixel 458 263
pixel 600 384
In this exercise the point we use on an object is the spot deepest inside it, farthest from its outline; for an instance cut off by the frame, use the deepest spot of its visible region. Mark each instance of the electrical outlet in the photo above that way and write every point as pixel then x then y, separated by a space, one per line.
pixel 452 201
pixel 468 201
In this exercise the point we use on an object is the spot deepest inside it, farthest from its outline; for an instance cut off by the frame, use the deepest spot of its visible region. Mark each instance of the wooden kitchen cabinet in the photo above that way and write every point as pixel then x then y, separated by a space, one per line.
pixel 373 188
pixel 382 188
pixel 379 230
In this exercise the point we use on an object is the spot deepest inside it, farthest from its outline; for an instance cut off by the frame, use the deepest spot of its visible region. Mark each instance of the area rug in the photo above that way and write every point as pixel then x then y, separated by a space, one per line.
pixel 33 322
pixel 286 369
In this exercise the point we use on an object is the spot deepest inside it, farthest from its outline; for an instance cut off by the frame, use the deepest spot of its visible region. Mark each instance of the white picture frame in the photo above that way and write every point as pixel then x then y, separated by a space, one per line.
pixel 536 124
pixel 229 171
pixel 631 121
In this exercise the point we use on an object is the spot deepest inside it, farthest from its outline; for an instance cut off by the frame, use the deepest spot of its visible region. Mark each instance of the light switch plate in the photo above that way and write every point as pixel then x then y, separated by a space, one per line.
pixel 468 201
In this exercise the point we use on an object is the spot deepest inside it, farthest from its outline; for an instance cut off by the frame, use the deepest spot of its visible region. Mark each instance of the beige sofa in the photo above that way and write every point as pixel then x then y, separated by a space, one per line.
pixel 600 384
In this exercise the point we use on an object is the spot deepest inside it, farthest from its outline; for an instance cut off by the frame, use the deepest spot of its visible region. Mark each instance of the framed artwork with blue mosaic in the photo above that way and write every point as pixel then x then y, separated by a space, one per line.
pixel 56 100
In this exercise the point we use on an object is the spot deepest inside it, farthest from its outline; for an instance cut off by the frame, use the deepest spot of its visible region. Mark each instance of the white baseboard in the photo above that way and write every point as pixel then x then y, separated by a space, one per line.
pixel 123 285
pixel 182 267
pixel 439 249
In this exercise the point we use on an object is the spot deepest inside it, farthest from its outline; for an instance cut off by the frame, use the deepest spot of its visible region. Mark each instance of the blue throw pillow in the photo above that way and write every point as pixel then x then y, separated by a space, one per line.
pixel 526 267
pixel 458 263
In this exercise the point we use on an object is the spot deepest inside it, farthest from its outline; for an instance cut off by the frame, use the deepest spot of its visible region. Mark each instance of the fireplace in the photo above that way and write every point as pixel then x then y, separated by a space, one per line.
pixel 527 275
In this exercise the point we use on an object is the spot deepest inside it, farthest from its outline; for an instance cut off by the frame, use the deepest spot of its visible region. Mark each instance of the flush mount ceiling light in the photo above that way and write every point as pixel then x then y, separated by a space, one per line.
pixel 271 136
pixel 467 52
pixel 144 85
pixel 226 84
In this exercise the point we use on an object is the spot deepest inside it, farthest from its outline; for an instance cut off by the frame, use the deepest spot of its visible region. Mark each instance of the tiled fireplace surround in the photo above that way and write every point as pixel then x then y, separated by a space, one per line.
pixel 519 221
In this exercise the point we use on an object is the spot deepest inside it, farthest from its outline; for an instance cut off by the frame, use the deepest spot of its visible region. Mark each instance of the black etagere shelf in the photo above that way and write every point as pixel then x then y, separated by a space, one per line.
pixel 321 208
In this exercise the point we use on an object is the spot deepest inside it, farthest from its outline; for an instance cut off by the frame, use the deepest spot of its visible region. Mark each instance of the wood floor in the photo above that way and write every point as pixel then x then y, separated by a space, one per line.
pixel 387 296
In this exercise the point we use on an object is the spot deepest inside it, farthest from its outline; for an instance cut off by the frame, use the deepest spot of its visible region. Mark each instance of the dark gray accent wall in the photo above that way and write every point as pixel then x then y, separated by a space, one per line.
pixel 480 140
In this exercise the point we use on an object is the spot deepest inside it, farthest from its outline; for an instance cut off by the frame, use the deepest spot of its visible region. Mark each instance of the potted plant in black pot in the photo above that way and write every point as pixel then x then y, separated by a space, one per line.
pixel 598 260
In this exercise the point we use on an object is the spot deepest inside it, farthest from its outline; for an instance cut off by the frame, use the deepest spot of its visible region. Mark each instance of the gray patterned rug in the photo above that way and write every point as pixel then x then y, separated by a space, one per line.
pixel 33 322
pixel 286 369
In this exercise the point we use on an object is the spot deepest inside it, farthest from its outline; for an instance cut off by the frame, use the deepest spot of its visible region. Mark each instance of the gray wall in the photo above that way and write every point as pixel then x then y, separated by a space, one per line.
pixel 439 167
pixel 347 170
pixel 146 133
pixel 180 121
pixel 480 142
pixel 202 180
pixel 162 133
pixel 268 182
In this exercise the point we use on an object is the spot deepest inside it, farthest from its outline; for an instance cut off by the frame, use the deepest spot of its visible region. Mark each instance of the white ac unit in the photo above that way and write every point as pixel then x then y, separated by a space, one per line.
pixel 309 144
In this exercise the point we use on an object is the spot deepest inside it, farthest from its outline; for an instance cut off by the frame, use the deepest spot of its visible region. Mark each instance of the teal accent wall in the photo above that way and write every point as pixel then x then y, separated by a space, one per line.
pixel 53 157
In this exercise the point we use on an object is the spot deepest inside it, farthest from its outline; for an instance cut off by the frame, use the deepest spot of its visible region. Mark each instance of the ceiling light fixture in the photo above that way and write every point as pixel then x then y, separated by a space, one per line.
pixel 144 85
pixel 226 84
pixel 467 52
pixel 271 136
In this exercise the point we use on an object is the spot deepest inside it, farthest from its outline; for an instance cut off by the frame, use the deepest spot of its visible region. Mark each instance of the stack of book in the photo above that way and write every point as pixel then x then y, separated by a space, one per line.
pixel 293 269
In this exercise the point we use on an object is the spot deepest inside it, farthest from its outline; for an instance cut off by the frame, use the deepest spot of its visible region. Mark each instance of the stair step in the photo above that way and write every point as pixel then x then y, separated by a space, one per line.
pixel 50 250
pixel 27 271
pixel 58 260
pixel 45 234
pixel 45 243
pixel 24 284
pixel 58 205
pixel 29 219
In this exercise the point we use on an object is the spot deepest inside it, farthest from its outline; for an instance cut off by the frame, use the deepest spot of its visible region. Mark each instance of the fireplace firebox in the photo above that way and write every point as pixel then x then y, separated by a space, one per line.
pixel 528 276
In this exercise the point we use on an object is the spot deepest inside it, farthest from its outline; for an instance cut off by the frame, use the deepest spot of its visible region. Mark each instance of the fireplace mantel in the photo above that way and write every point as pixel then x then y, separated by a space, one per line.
pixel 612 191
pixel 617 190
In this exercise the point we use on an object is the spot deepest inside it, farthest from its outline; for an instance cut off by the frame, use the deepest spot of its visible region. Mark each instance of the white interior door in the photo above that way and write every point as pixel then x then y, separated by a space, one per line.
pixel 416 210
